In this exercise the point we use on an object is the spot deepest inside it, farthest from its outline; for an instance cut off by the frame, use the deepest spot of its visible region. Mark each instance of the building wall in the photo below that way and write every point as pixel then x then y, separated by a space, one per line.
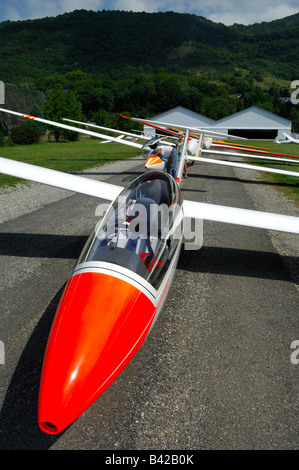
pixel 255 122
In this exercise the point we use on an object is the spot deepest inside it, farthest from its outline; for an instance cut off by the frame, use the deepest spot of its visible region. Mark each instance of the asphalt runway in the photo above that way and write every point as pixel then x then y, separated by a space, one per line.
pixel 216 370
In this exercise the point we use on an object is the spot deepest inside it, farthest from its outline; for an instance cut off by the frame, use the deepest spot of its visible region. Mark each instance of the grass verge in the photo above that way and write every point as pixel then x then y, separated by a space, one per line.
pixel 69 157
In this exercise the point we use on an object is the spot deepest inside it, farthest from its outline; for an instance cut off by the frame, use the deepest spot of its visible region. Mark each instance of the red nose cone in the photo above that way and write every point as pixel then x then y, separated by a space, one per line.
pixel 100 324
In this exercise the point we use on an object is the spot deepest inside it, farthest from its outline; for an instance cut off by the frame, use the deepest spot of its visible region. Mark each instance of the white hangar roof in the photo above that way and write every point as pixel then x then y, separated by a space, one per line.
pixel 254 118
pixel 185 117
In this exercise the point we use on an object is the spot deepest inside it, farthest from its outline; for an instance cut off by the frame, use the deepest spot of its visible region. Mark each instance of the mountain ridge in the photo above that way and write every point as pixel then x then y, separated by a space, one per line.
pixel 105 41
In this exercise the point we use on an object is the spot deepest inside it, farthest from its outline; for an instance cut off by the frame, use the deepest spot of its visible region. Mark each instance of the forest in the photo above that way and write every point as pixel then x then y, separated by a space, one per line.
pixel 90 65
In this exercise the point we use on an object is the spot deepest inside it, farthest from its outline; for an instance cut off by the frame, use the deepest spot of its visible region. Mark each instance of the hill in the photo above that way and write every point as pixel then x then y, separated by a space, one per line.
pixel 104 42
pixel 95 65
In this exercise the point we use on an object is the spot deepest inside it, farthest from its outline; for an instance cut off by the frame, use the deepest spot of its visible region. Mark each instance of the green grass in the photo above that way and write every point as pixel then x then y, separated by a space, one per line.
pixel 289 184
pixel 69 157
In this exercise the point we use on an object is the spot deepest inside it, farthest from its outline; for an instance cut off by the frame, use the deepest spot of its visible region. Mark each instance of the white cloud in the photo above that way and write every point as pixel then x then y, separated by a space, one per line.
pixel 32 9
pixel 133 5
pixel 226 11
pixel 255 11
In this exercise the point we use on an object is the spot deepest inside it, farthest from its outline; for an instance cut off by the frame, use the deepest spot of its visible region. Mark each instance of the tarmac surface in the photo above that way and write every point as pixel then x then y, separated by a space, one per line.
pixel 216 371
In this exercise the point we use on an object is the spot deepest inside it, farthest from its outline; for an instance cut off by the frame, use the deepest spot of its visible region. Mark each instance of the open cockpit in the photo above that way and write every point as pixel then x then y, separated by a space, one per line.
pixel 142 228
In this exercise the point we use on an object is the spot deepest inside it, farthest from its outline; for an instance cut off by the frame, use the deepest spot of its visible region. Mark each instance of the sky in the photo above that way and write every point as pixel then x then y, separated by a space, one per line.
pixel 222 11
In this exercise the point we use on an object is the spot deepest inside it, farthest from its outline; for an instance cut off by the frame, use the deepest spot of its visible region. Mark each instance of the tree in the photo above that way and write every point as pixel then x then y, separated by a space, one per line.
pixel 62 104
pixel 101 118
pixel 28 132
pixel 52 81
pixel 104 99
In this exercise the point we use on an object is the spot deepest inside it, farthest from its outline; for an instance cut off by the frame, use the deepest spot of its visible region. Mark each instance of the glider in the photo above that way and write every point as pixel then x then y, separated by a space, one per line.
pixel 200 143
pixel 121 280
pixel 289 140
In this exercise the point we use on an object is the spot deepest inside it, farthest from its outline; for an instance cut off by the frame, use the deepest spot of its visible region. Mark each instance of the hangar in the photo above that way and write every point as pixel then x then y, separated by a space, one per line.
pixel 253 123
